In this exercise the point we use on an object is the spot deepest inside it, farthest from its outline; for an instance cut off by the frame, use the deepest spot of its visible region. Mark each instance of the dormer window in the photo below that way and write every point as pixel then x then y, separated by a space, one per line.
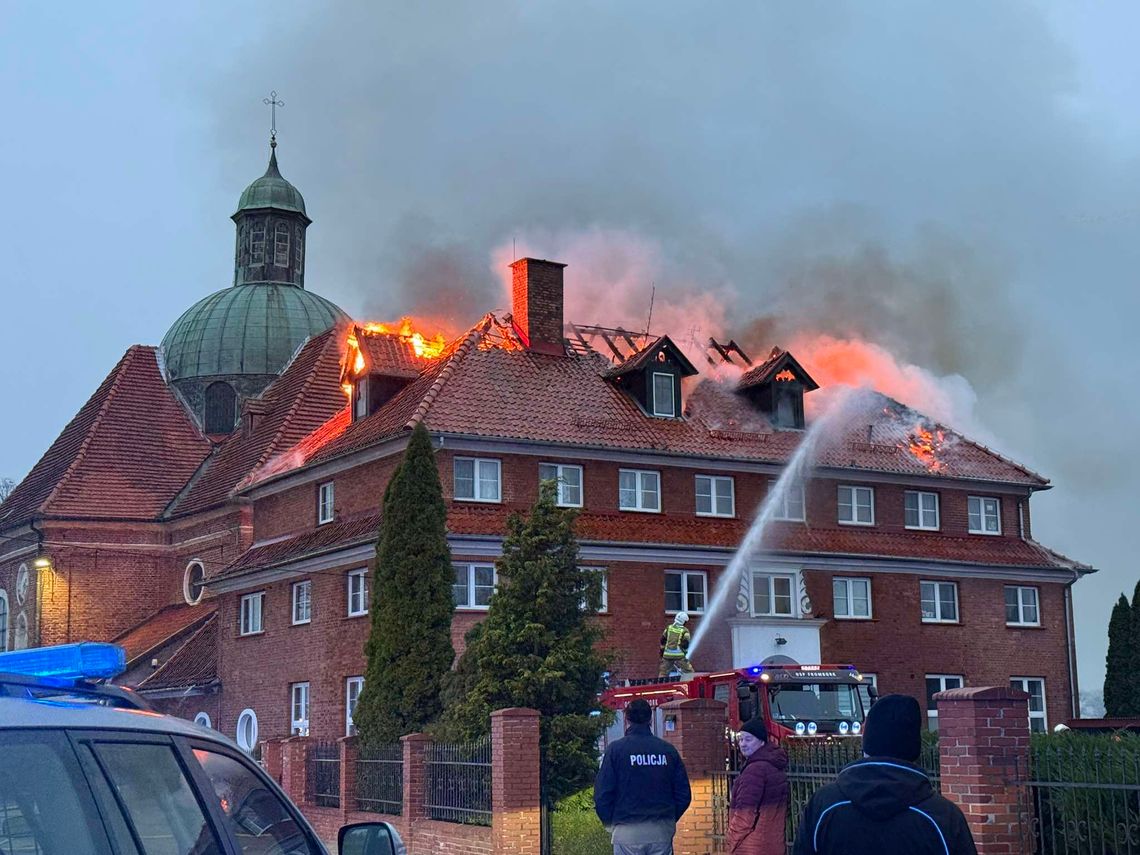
pixel 360 398
pixel 776 387
pixel 664 396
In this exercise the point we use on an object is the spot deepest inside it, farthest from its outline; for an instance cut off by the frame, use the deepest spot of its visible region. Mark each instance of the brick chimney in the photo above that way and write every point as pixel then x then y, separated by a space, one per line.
pixel 536 304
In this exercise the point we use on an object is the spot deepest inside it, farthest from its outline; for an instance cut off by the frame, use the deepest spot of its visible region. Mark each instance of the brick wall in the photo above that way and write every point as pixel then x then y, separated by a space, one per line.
pixel 536 303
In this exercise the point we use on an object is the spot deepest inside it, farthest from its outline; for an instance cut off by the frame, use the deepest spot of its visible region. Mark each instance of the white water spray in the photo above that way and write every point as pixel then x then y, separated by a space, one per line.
pixel 735 576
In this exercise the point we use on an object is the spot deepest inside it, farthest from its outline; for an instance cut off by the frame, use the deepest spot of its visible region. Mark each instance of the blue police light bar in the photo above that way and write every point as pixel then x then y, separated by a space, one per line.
pixel 87 660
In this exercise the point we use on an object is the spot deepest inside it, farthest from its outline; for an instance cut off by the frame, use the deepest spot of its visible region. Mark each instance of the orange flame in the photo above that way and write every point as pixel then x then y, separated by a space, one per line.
pixel 925 445
pixel 427 348
pixel 785 375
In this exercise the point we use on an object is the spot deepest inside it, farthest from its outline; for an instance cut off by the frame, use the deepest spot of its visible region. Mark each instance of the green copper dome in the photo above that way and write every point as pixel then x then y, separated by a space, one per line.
pixel 271 191
pixel 251 329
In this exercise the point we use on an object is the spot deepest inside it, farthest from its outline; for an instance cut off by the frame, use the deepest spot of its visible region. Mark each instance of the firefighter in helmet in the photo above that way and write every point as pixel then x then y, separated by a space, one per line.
pixel 675 648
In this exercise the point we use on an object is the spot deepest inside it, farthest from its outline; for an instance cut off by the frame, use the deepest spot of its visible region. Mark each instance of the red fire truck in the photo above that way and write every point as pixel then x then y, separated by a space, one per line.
pixel 793 700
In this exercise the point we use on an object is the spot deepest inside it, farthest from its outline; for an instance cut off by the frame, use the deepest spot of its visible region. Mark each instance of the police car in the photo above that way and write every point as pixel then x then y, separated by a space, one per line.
pixel 89 769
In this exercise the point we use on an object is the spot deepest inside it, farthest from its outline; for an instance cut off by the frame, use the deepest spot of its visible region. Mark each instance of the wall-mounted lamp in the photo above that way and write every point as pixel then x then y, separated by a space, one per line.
pixel 781 641
pixel 42 563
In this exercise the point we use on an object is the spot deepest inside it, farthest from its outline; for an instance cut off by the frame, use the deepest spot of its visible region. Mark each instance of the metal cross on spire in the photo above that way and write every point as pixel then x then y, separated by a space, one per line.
pixel 273 104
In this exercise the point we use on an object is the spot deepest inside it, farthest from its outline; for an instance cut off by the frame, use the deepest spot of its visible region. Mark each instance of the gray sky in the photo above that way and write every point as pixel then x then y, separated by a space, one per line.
pixel 957 183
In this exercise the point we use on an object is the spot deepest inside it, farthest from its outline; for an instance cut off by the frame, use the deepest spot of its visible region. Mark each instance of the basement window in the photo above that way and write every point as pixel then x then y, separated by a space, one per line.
pixel 984 515
pixel 664 395
pixel 478 479
pixel 639 490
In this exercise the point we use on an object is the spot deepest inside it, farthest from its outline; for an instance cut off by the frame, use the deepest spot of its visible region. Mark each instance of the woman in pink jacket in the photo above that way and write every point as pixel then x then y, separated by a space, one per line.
pixel 758 808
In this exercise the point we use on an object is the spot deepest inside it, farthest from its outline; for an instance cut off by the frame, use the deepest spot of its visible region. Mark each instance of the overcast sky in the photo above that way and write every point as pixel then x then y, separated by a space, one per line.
pixel 957 183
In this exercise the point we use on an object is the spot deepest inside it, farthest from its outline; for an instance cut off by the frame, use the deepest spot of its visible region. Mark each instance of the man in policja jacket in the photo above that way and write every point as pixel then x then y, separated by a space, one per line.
pixel 642 788
pixel 884 803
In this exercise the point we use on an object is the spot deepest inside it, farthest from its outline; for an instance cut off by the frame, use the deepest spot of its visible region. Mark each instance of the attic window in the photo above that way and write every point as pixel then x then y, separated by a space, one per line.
pixel 664 397
pixel 360 398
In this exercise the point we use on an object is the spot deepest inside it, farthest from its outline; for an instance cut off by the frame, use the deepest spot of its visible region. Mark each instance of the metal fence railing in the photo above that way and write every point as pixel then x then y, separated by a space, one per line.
pixel 459 782
pixel 322 774
pixel 1080 794
pixel 380 778
pixel 812 763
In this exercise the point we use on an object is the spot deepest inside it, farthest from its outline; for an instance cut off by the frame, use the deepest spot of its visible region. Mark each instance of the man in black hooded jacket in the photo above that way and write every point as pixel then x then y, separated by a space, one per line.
pixel 884 803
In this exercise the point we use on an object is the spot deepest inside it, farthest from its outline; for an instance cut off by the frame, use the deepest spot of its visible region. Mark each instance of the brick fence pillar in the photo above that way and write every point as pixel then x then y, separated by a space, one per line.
pixel 695 727
pixel 415 777
pixel 294 759
pixel 983 737
pixel 348 753
pixel 271 757
pixel 516 782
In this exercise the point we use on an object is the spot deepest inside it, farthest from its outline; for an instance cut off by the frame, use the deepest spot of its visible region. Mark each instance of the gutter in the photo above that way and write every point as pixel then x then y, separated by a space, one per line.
pixel 1070 641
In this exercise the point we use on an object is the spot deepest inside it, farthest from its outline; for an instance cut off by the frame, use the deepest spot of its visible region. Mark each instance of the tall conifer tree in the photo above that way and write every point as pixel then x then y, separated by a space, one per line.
pixel 409 648
pixel 1118 666
pixel 536 648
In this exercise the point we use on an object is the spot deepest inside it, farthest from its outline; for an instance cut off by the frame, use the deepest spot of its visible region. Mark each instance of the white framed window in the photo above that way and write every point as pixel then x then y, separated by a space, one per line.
pixel 357 583
pixel 567 478
pixel 603 601
pixel 360 398
pixel 352 689
pixel 478 479
pixel 772 595
pixel 299 709
pixel 202 719
pixel 791 506
pixel 639 490
pixel 246 733
pixel 1035 688
pixel 194 582
pixel 921 510
pixel 250 620
pixel 716 496
pixel 984 515
pixel 664 394
pixel 685 591
pixel 856 505
pixel 473 586
pixel 281 245
pixel 939 602
pixel 302 602
pixel 1021 606
pixel 326 499
pixel 3 620
pixel 20 637
pixel 852 598
pixel 936 683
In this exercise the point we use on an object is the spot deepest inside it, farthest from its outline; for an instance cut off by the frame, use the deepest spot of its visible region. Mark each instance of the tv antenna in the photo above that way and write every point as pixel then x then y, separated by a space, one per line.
pixel 649 320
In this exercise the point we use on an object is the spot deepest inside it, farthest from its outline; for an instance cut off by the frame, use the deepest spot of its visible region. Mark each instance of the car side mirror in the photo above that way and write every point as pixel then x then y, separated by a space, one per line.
pixel 369 838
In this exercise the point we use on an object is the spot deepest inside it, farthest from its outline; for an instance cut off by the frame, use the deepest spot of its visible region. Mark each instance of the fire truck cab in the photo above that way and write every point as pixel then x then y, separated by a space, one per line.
pixel 795 701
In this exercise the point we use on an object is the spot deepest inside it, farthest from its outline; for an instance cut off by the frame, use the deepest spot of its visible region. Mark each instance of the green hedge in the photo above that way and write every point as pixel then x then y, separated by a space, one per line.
pixel 577 830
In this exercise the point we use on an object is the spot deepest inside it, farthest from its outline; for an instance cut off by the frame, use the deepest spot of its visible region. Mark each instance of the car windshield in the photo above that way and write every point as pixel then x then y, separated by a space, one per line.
pixel 816 702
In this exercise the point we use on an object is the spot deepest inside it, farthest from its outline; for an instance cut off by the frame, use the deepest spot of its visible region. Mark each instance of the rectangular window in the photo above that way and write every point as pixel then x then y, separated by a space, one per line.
pixel 257 244
pixel 921 510
pixel 477 479
pixel 1035 688
pixel 281 245
pixel 302 602
pixel 603 594
pixel 664 399
pixel 856 505
pixel 716 496
pixel 1021 606
pixel 772 595
pixel 791 505
pixel 474 584
pixel 360 398
pixel 936 683
pixel 685 591
pixel 984 515
pixel 639 490
pixel 568 480
pixel 852 598
pixel 939 602
pixel 326 496
pixel 358 592
pixel 352 687
pixel 299 709
pixel 251 613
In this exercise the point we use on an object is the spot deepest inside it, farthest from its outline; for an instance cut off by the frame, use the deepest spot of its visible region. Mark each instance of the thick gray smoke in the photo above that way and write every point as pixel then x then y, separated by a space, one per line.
pixel 917 176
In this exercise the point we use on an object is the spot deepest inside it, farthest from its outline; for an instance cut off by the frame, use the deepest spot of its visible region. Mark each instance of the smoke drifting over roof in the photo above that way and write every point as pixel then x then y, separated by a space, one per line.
pixel 925 178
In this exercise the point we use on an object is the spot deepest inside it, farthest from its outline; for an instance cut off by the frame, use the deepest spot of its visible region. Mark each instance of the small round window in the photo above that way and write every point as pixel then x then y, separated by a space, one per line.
pixel 23 580
pixel 20 639
pixel 247 730
pixel 202 719
pixel 194 582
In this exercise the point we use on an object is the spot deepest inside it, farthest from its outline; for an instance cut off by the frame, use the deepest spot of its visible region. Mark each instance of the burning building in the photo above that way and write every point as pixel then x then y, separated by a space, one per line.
pixel 214 506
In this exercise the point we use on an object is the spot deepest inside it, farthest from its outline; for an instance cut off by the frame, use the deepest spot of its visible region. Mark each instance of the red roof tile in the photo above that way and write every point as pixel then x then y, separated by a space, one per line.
pixel 301 400
pixel 125 455
pixel 647 354
pixel 161 628
pixel 325 538
pixel 767 369
pixel 388 353
pixel 194 664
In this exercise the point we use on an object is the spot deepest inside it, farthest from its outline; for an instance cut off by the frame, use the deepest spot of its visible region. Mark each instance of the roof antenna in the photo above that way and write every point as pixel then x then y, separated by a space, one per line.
pixel 649 320
pixel 514 252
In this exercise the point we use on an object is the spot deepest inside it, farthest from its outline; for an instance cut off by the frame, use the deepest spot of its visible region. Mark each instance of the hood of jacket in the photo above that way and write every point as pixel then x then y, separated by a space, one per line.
pixel 769 753
pixel 882 787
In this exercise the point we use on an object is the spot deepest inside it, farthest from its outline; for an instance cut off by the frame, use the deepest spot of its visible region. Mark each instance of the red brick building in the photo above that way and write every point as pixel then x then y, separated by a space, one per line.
pixel 218 516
